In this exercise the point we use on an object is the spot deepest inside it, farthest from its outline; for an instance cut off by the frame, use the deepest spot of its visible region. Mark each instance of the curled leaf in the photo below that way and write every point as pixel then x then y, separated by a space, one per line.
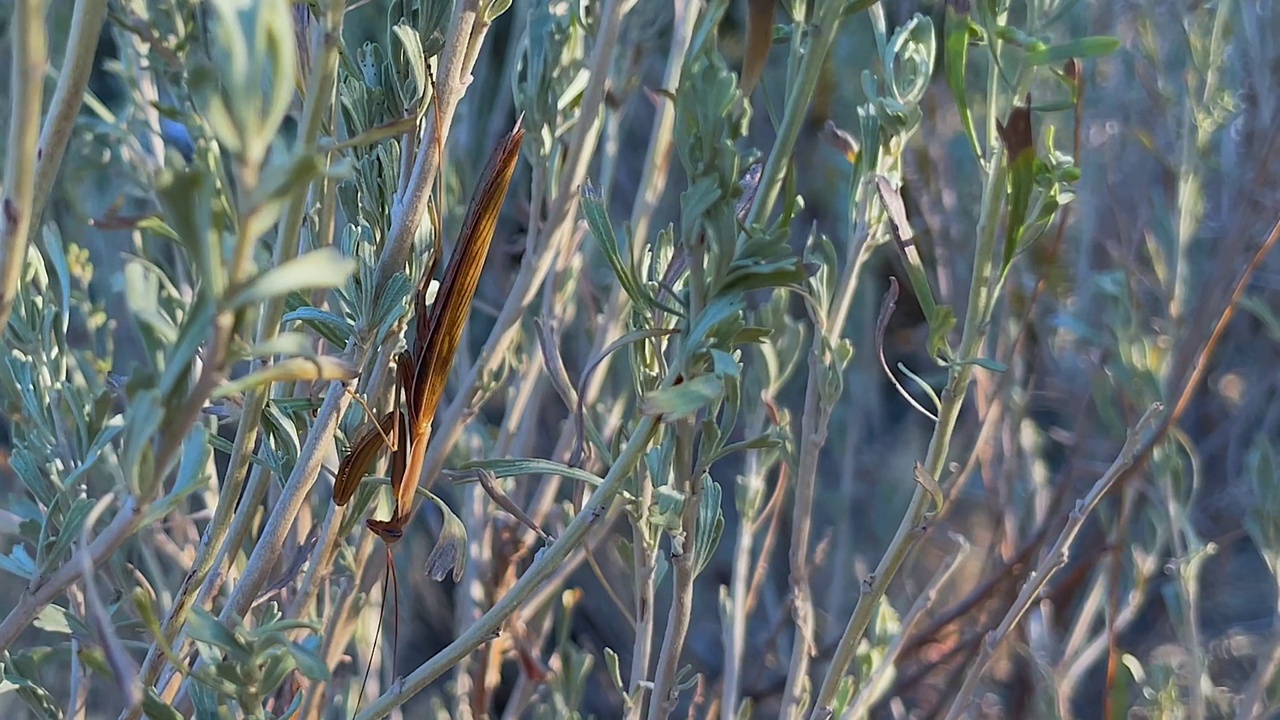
pixel 841 140
pixel 450 552
pixel 930 485
pixel 684 399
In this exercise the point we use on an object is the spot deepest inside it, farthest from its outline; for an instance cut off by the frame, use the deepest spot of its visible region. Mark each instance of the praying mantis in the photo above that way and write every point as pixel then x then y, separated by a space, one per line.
pixel 421 371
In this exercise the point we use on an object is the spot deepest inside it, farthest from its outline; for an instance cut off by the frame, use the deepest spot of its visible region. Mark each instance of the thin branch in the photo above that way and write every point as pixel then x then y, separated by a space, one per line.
pixel 1144 433
pixel 26 90
pixel 665 693
pixel 544 565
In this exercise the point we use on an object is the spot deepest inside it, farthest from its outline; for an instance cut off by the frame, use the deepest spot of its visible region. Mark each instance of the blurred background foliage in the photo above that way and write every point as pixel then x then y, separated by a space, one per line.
pixel 813 336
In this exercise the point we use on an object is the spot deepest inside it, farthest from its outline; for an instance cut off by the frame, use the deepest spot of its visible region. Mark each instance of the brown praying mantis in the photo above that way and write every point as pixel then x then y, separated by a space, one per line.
pixel 422 370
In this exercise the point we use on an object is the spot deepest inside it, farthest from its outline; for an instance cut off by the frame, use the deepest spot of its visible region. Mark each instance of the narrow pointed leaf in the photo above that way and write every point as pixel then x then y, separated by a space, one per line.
pixel 291 370
pixel 322 268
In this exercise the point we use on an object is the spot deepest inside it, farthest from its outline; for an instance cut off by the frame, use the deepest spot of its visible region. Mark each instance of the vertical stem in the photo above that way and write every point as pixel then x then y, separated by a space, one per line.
pixel 26 90
pixel 267 549
pixel 411 205
pixel 820 34
pixel 644 568
pixel 665 695
pixel 735 632
pixel 686 480
pixel 909 530
pixel 1255 695
pixel 1190 210
pixel 82 44
pixel 813 435
pixel 658 163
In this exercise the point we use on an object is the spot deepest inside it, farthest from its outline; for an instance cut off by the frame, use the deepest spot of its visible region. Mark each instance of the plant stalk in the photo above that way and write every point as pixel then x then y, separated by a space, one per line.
pixel 544 565
pixel 17 198
pixel 951 402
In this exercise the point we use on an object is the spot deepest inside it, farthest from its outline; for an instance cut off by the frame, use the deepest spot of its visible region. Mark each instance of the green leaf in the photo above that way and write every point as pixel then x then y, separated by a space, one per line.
pixel 745 277
pixel 597 217
pixel 53 248
pixel 1263 518
pixel 1088 47
pixel 95 659
pixel 390 306
pixel 184 195
pixel 255 54
pixel 141 294
pixel 38 699
pixel 856 6
pixel 68 532
pixel 696 205
pixel 924 386
pixel 1049 106
pixel 930 485
pixel 940 326
pixel 504 467
pixel 203 627
pixel 284 434
pixel 710 524
pixel 329 326
pixel 495 8
pixel 277 666
pixel 208 705
pixel 271 634
pixel 891 198
pixel 986 364
pixel 1018 138
pixel 53 618
pixel 413 59
pixel 142 424
pixel 322 268
pixel 682 400
pixel 319 368
pixel 107 434
pixel 158 226
pixel 196 328
pixel 764 441
pixel 717 311
pixel 450 551
pixel 1264 313
pixel 144 604
pixel 195 457
pixel 956 48
pixel 309 663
